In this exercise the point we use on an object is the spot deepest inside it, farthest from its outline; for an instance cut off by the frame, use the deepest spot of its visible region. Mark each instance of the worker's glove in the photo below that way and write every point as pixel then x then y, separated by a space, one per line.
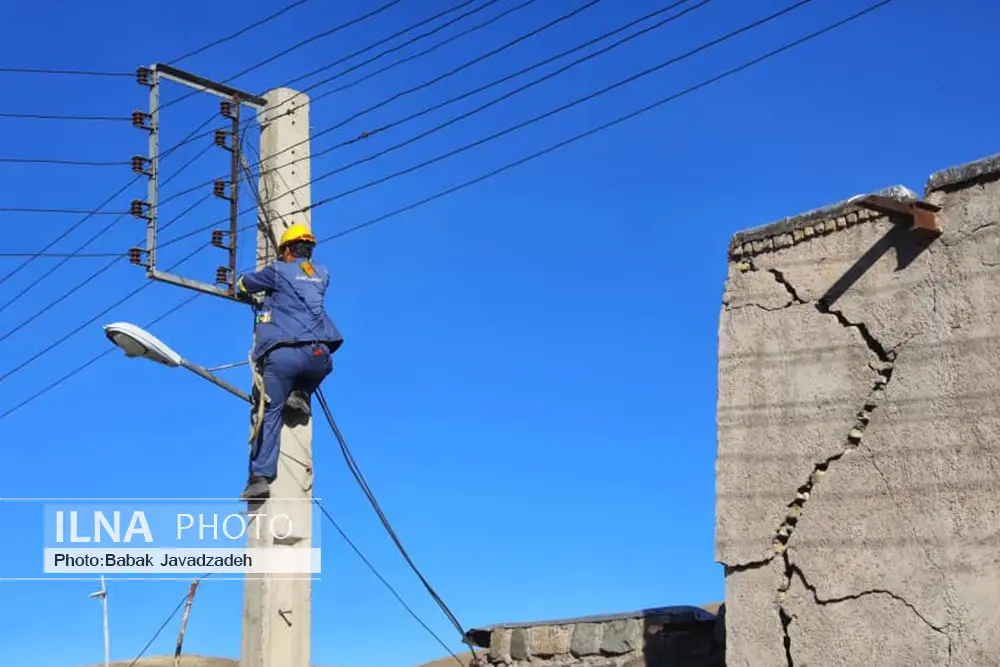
pixel 252 299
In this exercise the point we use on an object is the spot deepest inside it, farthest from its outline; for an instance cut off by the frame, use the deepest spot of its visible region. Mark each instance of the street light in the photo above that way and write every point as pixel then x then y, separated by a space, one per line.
pixel 139 343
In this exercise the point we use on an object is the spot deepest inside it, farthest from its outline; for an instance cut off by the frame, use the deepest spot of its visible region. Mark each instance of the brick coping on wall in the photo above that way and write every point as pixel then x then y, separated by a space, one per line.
pixel 849 212
pixel 679 615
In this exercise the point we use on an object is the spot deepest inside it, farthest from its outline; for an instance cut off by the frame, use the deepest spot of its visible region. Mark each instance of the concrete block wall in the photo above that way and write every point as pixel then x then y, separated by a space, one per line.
pixel 858 470
pixel 644 639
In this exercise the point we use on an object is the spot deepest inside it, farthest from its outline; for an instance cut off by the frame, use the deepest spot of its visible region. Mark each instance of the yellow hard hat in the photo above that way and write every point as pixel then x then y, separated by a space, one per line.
pixel 296 232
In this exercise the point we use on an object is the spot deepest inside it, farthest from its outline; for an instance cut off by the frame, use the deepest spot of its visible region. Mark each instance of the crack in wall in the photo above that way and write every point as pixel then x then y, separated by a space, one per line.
pixel 883 367
pixel 794 571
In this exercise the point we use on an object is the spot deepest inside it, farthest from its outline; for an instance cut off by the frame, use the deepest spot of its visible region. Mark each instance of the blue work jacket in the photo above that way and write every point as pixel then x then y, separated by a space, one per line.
pixel 293 309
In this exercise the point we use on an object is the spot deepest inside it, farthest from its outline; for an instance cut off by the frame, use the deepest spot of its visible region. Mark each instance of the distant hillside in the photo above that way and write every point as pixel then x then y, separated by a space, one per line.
pixel 205 661
pixel 185 661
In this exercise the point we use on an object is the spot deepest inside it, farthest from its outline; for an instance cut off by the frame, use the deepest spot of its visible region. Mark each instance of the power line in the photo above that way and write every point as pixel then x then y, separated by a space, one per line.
pixel 93 276
pixel 354 54
pixel 537 31
pixel 508 77
pixel 399 33
pixel 145 285
pixel 163 154
pixel 159 630
pixel 79 222
pixel 359 477
pixel 74 255
pixel 430 82
pixel 512 128
pixel 56 211
pixel 66 72
pixel 379 576
pixel 600 128
pixel 293 47
pixel 78 163
pixel 93 360
pixel 130 75
pixel 612 123
pixel 41 116
pixel 77 253
pixel 241 31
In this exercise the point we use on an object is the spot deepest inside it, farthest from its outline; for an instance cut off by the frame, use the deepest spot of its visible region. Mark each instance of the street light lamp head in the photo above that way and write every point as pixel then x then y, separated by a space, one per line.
pixel 136 342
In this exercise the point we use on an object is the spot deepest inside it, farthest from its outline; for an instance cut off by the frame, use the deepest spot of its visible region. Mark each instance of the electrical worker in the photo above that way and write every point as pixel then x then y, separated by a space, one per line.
pixel 294 340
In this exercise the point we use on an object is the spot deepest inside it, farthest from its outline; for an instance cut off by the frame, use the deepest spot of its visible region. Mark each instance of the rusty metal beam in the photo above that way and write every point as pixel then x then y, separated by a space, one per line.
pixel 922 214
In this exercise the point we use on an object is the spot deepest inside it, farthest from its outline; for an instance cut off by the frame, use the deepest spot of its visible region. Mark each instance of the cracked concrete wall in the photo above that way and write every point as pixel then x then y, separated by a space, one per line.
pixel 858 507
pixel 641 641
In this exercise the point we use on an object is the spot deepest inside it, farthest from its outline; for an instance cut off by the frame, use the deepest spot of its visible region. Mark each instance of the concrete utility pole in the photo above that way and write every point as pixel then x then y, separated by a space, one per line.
pixel 277 608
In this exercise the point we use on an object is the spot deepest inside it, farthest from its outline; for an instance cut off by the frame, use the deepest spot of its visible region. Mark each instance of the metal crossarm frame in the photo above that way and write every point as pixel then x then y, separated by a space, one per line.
pixel 233 100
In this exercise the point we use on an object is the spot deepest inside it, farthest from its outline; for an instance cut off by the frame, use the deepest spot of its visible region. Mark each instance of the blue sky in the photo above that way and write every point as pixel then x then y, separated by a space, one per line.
pixel 529 375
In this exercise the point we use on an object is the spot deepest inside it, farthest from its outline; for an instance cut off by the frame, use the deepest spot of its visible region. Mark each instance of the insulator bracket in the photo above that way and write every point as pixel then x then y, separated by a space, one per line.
pixel 139 209
pixel 139 165
pixel 135 256
pixel 219 190
pixel 139 120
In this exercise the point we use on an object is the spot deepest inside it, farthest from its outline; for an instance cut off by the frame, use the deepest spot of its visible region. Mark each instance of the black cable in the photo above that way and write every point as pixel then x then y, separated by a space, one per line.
pixel 382 579
pixel 131 75
pixel 81 284
pixel 73 255
pixel 94 237
pixel 565 142
pixel 293 47
pixel 93 360
pixel 512 128
pixel 241 31
pixel 403 45
pixel 420 54
pixel 79 222
pixel 56 211
pixel 67 72
pixel 159 630
pixel 42 116
pixel 503 79
pixel 363 483
pixel 489 54
pixel 396 34
pixel 164 153
pixel 78 163
pixel 38 355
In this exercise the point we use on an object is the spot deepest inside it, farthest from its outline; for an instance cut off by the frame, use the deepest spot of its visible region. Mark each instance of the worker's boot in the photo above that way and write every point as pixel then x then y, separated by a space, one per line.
pixel 257 487
pixel 297 410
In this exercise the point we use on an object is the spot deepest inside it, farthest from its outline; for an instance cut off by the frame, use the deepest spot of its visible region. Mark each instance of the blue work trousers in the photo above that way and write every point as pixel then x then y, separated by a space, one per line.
pixel 284 370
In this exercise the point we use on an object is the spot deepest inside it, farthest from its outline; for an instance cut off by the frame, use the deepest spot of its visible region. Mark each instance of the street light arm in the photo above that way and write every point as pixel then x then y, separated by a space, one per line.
pixel 217 381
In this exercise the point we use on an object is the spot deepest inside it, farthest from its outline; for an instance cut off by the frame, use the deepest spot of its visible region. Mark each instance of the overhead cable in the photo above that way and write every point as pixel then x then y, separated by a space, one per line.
pixel 705 83
pixel 53 161
pixel 81 284
pixel 510 129
pixel 401 46
pixel 78 252
pixel 399 33
pixel 238 33
pixel 496 82
pixel 359 477
pixel 42 116
pixel 428 83
pixel 293 47
pixel 65 72
pixel 392 590
pixel 79 222
pixel 131 75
